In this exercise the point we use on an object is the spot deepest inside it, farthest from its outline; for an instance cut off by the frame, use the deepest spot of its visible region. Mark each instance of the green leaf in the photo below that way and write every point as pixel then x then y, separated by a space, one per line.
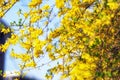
pixel 0 72
pixel 99 74
pixel 109 74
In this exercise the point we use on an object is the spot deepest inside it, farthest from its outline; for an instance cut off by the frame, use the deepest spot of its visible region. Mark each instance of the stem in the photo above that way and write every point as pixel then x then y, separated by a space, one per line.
pixel 8 9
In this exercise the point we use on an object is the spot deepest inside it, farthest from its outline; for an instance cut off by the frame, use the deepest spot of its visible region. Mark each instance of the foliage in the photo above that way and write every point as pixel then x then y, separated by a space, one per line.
pixel 87 39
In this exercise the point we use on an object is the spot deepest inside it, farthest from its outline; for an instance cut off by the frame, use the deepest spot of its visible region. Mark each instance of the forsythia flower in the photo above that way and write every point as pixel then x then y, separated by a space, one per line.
pixel 78 72
pixel 34 19
pixel 113 5
pixel 31 64
pixel 25 15
pixel 37 52
pixel 13 39
pixel 5 31
pixel 46 7
pixel 25 57
pixel 35 3
pixel 87 31
pixel 5 46
pixel 1 13
pixel 49 47
pixel 59 4
pixel 25 45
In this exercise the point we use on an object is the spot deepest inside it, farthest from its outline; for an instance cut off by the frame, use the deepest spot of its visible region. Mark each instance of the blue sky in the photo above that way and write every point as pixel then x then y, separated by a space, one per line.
pixel 11 64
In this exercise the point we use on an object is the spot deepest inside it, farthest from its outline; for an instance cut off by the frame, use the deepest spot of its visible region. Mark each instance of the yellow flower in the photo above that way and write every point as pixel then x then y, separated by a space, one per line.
pixel 36 42
pixel 59 4
pixel 5 31
pixel 35 3
pixel 5 46
pixel 37 52
pixel 4 75
pixel 34 18
pixel 25 15
pixel 25 57
pixel 81 46
pixel 49 47
pixel 31 64
pixel 113 5
pixel 13 39
pixel 112 30
pixel 51 56
pixel 46 7
pixel 26 45
pixel 1 13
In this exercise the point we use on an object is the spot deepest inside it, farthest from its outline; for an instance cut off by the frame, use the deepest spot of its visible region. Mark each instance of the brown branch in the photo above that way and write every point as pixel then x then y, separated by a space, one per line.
pixel 8 10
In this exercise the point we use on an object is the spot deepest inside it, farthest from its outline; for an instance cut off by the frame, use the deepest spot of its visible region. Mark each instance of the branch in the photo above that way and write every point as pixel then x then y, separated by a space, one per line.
pixel 8 9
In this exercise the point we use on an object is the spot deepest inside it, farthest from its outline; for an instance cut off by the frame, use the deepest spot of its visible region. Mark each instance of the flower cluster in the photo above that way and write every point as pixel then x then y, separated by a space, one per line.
pixel 86 41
